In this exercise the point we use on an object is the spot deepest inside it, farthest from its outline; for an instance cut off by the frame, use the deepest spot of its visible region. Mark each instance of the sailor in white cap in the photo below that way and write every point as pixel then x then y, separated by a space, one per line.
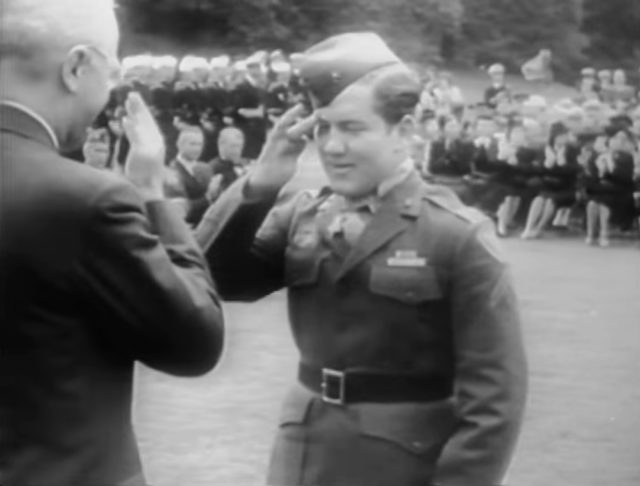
pixel 219 69
pixel 137 68
pixel 278 93
pixel 165 69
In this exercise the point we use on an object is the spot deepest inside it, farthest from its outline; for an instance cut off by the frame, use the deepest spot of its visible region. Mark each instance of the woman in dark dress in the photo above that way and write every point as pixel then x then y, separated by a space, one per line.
pixel 521 179
pixel 558 187
pixel 609 188
pixel 450 159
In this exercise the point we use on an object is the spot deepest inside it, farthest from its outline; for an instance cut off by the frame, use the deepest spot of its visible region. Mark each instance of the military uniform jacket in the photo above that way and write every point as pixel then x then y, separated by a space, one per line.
pixel 424 290
pixel 90 281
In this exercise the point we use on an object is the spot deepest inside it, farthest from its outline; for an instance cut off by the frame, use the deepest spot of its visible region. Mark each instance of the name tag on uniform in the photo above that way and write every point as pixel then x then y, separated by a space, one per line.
pixel 407 258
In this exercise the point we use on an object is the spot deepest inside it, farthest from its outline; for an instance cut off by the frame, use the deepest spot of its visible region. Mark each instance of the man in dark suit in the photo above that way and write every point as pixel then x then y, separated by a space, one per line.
pixel 412 368
pixel 187 177
pixel 95 273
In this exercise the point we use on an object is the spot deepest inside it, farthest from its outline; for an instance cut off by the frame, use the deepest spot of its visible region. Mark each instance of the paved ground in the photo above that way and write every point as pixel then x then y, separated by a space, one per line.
pixel 582 325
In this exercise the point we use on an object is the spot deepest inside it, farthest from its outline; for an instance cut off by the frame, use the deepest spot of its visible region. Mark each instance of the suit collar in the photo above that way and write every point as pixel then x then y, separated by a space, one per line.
pixel 22 120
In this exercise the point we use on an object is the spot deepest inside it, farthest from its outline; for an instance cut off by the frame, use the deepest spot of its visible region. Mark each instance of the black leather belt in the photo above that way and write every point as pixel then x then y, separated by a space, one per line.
pixel 351 386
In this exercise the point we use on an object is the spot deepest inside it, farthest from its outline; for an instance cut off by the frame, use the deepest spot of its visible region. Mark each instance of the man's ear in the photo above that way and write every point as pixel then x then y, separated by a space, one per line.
pixel 74 68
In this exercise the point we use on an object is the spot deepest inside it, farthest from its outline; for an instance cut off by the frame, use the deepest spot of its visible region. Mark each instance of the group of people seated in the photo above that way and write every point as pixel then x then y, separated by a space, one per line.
pixel 520 159
pixel 534 177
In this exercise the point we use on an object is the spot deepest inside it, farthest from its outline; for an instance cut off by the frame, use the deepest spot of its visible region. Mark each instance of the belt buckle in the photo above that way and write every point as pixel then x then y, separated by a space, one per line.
pixel 329 377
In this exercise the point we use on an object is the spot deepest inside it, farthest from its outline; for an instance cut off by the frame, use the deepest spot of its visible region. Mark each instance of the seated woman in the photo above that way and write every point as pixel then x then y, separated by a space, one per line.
pixel 521 177
pixel 486 168
pixel 609 188
pixel 450 159
pixel 558 182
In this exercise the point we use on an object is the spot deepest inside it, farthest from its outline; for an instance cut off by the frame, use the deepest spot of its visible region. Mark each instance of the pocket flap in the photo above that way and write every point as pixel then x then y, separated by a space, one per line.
pixel 420 428
pixel 296 406
pixel 408 284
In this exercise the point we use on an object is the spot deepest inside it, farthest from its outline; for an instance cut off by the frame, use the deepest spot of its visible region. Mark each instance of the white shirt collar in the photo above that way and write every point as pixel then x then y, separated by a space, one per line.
pixel 187 164
pixel 35 116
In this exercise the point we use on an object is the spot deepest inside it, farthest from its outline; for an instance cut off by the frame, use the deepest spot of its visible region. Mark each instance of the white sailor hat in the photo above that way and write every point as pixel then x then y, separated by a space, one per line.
pixel 193 63
pixel 240 66
pixel 257 59
pixel 165 62
pixel 219 62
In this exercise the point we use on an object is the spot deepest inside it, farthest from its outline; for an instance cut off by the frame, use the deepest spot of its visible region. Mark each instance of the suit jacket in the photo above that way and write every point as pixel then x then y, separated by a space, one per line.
pixel 91 280
pixel 192 187
pixel 449 311
pixel 229 171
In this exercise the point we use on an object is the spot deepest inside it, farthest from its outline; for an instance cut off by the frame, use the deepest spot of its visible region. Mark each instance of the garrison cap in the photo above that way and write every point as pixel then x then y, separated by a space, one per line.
pixel 329 67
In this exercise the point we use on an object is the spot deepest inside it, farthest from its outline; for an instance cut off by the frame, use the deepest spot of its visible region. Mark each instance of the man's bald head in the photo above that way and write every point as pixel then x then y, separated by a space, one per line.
pixel 59 58
pixel 31 27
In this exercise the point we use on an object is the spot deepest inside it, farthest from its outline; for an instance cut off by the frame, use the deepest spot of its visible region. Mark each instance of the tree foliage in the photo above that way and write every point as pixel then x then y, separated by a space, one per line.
pixel 613 27
pixel 464 31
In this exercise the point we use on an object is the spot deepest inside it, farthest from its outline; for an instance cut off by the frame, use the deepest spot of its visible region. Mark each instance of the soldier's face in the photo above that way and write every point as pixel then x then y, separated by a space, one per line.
pixel 357 148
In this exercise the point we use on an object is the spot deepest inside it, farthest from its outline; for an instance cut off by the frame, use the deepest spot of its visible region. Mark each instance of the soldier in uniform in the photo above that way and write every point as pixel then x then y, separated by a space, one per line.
pixel 412 369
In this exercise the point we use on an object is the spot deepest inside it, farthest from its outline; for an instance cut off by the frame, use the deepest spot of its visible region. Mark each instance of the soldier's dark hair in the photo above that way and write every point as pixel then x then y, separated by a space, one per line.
pixel 396 92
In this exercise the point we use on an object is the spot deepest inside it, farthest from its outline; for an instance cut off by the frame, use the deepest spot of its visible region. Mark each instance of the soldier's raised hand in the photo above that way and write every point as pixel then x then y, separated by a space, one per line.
pixel 277 162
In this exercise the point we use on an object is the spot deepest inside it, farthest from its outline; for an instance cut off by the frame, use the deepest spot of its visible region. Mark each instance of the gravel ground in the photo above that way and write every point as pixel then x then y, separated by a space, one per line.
pixel 582 326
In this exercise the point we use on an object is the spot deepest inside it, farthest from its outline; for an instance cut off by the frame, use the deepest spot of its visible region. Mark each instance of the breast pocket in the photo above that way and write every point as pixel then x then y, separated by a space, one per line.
pixel 407 284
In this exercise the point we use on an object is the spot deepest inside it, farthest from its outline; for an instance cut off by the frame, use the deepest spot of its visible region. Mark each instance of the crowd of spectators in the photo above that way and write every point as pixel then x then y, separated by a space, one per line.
pixel 529 163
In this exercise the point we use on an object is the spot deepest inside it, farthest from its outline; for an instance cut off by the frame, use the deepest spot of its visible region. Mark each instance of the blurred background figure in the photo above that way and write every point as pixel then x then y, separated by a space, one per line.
pixel 230 164
pixel 97 149
pixel 187 177
pixel 538 69
pixel 558 185
pixel 609 187
pixel 498 89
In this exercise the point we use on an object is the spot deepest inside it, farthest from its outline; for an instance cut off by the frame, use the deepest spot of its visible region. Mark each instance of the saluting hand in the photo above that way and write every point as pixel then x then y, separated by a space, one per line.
pixel 277 162
pixel 144 166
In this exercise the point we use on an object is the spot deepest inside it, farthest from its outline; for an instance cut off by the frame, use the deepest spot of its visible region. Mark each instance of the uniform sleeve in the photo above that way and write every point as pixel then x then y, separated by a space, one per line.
pixel 146 275
pixel 245 241
pixel 490 366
